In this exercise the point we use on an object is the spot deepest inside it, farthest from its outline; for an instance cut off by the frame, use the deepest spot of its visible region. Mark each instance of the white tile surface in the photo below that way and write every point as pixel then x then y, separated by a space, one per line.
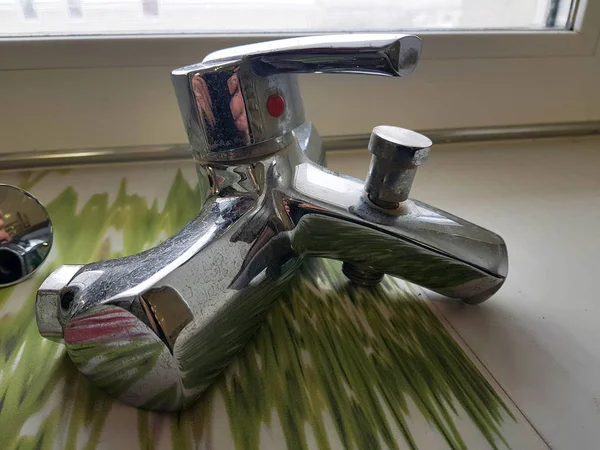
pixel 540 334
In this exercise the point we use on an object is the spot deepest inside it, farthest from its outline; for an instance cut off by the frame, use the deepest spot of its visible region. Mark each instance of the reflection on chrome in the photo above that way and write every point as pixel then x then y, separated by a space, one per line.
pixel 25 235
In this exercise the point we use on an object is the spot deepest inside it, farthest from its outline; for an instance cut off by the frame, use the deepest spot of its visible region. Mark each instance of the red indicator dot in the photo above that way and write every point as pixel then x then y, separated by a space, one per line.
pixel 275 105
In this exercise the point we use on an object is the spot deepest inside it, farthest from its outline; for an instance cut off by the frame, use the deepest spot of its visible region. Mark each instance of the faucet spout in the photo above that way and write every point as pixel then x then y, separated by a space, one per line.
pixel 417 242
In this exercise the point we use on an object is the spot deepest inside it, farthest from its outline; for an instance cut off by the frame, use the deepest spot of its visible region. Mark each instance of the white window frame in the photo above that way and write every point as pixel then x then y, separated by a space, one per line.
pixel 114 91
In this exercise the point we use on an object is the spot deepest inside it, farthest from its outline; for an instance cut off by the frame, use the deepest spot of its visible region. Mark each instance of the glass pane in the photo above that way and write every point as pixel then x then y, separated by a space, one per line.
pixel 97 17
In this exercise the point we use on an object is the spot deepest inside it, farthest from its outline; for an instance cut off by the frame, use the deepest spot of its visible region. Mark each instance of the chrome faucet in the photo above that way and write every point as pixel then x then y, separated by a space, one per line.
pixel 154 329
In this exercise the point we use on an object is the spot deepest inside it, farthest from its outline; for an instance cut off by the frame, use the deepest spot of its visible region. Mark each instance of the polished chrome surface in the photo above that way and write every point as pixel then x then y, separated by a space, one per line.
pixel 397 153
pixel 25 235
pixel 178 152
pixel 223 100
pixel 379 54
pixel 48 302
pixel 180 311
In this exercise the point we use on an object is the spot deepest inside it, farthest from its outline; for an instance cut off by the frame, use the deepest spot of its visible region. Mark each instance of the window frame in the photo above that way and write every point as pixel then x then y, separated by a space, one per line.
pixel 82 93
pixel 175 50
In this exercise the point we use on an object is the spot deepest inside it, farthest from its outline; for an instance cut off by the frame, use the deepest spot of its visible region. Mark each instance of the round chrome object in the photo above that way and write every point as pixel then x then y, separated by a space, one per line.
pixel 25 234
pixel 397 153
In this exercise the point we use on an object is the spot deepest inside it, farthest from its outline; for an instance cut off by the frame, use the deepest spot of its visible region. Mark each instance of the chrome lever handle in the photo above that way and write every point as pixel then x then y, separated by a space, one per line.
pixel 244 102
pixel 371 54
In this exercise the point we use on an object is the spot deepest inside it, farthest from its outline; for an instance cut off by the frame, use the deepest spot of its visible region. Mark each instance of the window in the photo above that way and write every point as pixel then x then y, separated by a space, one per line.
pixel 95 73
pixel 89 17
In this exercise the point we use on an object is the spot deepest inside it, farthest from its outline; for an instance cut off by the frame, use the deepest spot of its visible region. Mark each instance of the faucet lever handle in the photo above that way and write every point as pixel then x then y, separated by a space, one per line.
pixel 375 53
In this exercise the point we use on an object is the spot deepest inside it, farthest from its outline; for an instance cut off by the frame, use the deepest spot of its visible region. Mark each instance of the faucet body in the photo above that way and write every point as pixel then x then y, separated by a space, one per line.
pixel 154 329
